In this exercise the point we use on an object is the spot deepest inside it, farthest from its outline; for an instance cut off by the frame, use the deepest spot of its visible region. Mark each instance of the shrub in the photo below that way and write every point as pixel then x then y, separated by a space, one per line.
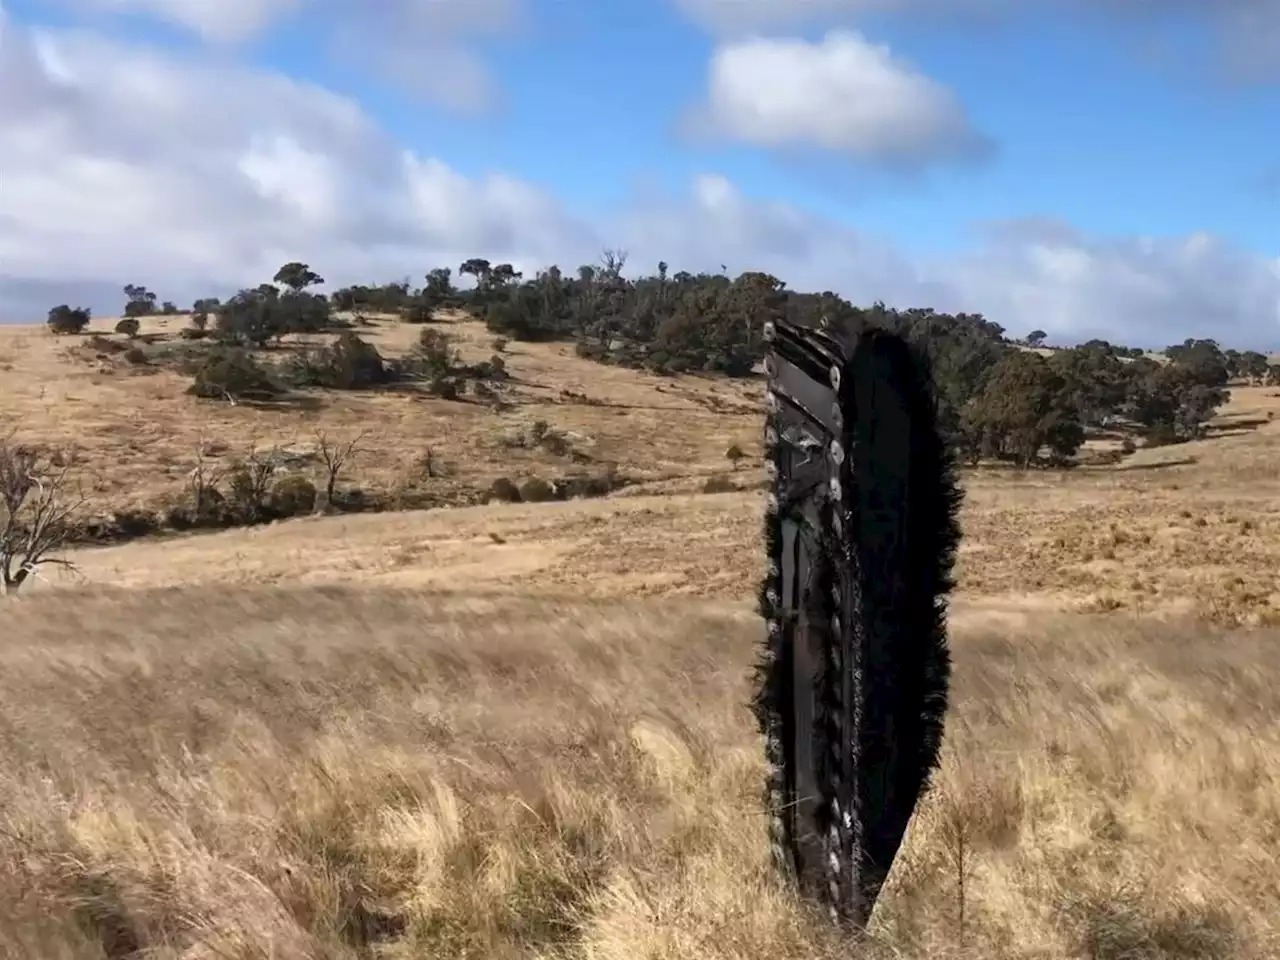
pixel 129 326
pixel 718 484
pixel 1162 435
pixel 1128 446
pixel 418 312
pixel 353 364
pixel 65 319
pixel 136 356
pixel 200 314
pixel 590 486
pixel 444 388
pixel 101 344
pixel 305 368
pixel 243 494
pixel 292 496
pixel 133 523
pixel 500 344
pixel 537 490
pixel 233 374
pixel 353 500
pixel 503 490
pixel 348 363
pixel 434 354
pixel 214 512
pixel 556 444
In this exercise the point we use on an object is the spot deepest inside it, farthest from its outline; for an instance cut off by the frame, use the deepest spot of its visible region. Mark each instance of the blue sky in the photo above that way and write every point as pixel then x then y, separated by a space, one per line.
pixel 1116 131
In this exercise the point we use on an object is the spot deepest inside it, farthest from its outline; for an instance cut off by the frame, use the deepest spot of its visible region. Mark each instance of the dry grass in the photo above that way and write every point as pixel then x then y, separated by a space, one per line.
pixel 345 772
pixel 138 431
pixel 1187 530
pixel 477 733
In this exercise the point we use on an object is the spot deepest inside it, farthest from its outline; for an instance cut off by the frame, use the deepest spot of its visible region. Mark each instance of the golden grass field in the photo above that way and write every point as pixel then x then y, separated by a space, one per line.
pixel 521 731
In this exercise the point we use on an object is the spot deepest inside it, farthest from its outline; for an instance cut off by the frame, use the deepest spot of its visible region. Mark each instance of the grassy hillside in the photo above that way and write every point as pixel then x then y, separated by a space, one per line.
pixel 355 771
pixel 139 430
pixel 520 731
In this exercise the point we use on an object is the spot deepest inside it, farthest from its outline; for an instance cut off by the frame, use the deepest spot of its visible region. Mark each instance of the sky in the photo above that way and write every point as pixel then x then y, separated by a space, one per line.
pixel 1091 168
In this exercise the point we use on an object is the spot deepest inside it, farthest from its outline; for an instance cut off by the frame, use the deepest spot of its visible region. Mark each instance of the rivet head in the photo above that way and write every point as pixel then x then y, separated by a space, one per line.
pixel 837 452
pixel 770 331
pixel 833 486
pixel 835 378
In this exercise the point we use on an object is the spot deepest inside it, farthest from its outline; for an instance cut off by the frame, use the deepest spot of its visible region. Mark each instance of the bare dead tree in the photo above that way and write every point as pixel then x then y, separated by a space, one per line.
pixel 203 478
pixel 35 512
pixel 613 260
pixel 334 454
pixel 251 478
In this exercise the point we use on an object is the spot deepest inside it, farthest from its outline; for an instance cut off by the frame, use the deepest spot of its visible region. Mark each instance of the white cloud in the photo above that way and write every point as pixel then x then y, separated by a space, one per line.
pixel 841 93
pixel 1149 290
pixel 194 178
pixel 738 17
pixel 1243 35
pixel 424 47
pixel 226 21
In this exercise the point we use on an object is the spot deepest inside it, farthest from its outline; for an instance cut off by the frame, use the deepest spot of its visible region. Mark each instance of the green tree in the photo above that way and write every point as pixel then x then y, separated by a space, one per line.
pixel 439 290
pixel 1173 402
pixel 297 276
pixel 1252 365
pixel 481 269
pixel 65 319
pixel 1019 409
pixel 1095 381
pixel 201 309
pixel 248 318
pixel 141 301
pixel 1204 359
